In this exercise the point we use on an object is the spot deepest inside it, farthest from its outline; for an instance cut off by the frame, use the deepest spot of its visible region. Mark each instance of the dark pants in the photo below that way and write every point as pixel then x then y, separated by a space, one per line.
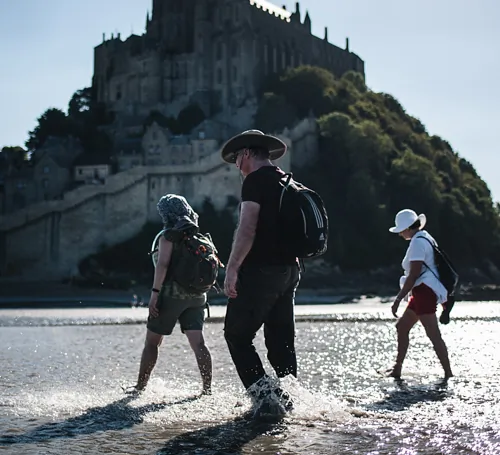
pixel 266 295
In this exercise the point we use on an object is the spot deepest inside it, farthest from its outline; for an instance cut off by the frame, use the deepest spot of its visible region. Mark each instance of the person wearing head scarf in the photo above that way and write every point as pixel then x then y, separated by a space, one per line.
pixel 169 302
pixel 421 280
pixel 175 212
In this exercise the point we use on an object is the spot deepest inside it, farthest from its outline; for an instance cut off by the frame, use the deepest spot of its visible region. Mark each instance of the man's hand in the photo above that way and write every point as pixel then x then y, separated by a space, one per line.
pixel 230 283
pixel 395 307
pixel 153 305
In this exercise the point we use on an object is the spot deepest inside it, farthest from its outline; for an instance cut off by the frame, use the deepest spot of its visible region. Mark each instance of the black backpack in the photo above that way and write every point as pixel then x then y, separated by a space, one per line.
pixel 195 264
pixel 447 273
pixel 303 220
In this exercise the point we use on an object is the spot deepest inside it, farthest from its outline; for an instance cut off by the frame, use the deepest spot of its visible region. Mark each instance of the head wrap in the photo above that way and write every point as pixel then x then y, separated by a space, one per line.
pixel 173 208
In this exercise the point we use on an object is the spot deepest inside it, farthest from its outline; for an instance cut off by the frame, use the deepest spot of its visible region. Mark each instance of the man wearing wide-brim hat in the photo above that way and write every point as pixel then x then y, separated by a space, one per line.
pixel 261 278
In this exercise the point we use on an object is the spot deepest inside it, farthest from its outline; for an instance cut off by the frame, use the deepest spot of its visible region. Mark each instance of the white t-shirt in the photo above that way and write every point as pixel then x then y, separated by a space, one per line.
pixel 421 250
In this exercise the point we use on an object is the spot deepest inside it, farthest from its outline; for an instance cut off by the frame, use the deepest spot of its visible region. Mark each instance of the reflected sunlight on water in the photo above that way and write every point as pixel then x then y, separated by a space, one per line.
pixel 62 373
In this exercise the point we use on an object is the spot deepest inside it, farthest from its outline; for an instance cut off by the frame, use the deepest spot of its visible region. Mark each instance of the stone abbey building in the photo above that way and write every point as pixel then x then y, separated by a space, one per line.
pixel 214 53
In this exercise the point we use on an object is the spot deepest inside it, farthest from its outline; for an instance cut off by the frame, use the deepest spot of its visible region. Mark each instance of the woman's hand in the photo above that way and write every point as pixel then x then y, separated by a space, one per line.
pixel 395 307
pixel 153 305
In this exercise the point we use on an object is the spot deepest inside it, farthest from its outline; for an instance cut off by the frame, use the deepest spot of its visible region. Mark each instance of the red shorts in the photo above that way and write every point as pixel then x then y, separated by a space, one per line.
pixel 423 300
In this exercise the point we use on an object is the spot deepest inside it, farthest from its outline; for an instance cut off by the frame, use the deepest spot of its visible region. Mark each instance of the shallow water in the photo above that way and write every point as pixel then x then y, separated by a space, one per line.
pixel 62 372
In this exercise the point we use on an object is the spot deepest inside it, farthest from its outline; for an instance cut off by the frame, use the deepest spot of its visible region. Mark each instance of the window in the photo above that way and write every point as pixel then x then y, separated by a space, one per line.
pixel 153 185
pixel 80 171
pixel 219 51
pixel 219 76
pixel 45 183
pixel 46 169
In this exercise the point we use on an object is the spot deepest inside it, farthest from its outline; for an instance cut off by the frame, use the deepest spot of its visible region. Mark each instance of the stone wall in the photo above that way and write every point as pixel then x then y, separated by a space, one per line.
pixel 46 241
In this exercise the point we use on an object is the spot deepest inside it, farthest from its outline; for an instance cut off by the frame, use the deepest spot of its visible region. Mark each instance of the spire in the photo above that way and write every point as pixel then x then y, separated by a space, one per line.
pixel 307 21
pixel 296 15
pixel 147 20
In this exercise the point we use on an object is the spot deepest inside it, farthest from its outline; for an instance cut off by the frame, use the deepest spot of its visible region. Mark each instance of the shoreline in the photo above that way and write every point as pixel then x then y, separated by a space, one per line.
pixel 56 295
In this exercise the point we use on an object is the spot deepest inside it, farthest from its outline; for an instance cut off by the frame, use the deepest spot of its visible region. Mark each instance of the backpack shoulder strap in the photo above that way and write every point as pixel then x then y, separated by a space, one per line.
pixel 425 238
pixel 153 245
pixel 433 247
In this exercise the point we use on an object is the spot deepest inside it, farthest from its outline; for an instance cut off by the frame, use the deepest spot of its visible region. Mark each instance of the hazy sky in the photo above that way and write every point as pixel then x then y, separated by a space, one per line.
pixel 439 58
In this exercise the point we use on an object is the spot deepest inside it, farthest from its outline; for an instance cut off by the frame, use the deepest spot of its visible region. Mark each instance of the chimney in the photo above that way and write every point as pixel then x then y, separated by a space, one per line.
pixel 326 34
pixel 347 44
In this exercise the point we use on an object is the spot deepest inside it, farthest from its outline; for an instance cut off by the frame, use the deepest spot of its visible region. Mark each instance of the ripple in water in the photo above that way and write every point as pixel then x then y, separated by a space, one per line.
pixel 61 393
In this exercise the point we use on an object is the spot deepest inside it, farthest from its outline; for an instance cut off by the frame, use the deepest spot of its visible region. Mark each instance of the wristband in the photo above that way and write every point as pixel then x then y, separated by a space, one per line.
pixel 155 290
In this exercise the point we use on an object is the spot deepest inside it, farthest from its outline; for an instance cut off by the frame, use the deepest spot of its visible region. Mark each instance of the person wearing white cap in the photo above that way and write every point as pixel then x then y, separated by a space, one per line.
pixel 419 279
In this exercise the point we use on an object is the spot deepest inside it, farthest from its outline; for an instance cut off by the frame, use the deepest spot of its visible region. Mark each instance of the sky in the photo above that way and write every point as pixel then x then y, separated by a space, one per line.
pixel 439 58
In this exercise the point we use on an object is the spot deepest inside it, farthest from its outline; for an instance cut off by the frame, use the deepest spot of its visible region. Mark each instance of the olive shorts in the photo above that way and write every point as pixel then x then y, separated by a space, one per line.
pixel 189 312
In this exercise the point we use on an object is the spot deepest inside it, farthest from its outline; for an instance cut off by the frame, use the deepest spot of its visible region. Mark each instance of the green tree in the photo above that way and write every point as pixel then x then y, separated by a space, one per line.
pixel 15 155
pixel 308 88
pixel 190 117
pixel 274 113
pixel 53 122
pixel 374 160
pixel 81 103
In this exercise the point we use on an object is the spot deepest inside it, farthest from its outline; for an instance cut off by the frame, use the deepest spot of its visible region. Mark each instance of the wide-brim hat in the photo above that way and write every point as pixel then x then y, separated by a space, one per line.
pixel 253 138
pixel 405 218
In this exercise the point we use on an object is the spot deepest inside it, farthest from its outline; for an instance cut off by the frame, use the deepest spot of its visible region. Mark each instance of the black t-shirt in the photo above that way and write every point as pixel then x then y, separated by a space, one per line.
pixel 262 186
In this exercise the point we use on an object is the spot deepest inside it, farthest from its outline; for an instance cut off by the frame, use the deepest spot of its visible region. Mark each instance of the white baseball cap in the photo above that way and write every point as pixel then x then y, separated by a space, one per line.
pixel 405 218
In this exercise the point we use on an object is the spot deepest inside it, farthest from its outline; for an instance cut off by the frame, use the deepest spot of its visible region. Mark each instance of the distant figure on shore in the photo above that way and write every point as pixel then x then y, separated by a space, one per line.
pixel 421 279
pixel 174 295
pixel 261 279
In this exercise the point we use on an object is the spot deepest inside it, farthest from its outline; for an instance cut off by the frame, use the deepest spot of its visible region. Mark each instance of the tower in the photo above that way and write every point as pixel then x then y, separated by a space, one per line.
pixel 307 22
pixel 172 25
pixel 203 49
